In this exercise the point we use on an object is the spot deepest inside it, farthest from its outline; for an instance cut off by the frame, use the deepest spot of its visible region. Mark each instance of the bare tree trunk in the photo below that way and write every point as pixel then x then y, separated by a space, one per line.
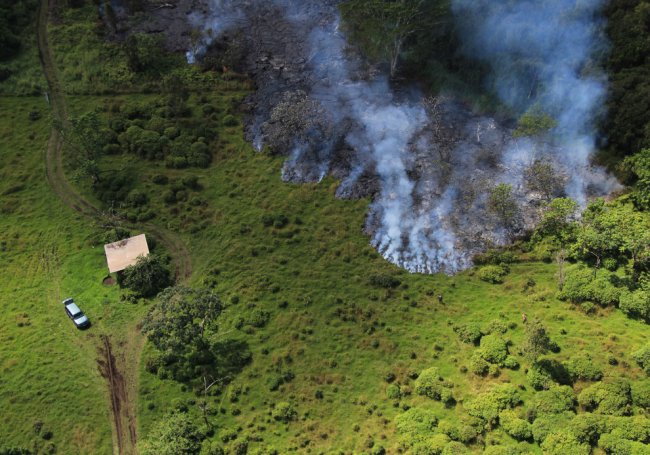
pixel 560 258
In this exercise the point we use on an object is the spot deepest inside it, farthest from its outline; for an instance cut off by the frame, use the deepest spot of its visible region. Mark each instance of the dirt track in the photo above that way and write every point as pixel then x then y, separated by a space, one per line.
pixel 121 406
pixel 120 373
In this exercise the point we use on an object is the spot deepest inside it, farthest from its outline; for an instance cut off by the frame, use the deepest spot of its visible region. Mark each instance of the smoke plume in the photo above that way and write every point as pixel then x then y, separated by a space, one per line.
pixel 429 164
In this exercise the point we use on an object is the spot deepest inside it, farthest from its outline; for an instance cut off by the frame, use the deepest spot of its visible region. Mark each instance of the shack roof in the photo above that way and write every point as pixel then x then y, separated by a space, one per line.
pixel 123 253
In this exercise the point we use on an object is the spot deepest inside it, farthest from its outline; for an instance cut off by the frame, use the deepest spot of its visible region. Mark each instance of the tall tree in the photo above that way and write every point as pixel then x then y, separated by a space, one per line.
pixel 383 26
pixel 536 341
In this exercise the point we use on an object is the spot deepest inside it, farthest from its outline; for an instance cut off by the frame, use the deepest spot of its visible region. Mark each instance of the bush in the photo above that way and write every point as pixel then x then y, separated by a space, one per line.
pixel 160 179
pixel 111 149
pixel 147 277
pixel 511 363
pixel 384 281
pixel 229 120
pixel 136 198
pixel 493 349
pixel 641 394
pixel 175 434
pixel 258 318
pixel 393 392
pixel 463 430
pixel 468 333
pixel 642 357
pixel 284 412
pixel 430 384
pixel 478 365
pixel 515 426
pixel 581 286
pixel 610 398
pixel 564 442
pixel 488 405
pixel 556 400
pixel 455 448
pixel 416 424
pixel 492 273
pixel 635 304
pixel 582 367
pixel 495 326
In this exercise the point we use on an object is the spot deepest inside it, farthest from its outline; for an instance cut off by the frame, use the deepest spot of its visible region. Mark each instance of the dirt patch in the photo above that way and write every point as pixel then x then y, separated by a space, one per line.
pixel 108 281
pixel 124 421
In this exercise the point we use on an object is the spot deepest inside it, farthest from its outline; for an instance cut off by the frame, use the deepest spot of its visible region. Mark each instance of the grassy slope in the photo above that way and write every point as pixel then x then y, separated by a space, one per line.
pixel 48 368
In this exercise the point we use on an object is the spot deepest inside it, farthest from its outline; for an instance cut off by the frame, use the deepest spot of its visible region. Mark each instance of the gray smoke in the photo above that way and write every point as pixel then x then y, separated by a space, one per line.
pixel 428 164
pixel 545 54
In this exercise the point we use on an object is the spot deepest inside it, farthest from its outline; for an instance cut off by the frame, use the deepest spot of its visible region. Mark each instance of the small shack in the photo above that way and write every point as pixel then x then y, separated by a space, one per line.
pixel 123 253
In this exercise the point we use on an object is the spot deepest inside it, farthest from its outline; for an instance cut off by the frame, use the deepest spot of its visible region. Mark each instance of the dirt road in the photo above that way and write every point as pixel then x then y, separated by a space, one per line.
pixel 119 369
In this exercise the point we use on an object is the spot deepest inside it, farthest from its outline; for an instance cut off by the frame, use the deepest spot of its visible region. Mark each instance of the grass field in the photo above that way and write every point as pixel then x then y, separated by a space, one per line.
pixel 298 294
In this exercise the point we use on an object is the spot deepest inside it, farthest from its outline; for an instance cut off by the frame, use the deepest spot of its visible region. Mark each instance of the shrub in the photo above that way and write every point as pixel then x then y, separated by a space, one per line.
pixel 493 349
pixel 611 398
pixel 191 182
pixel 478 365
pixel 160 179
pixel 581 286
pixel 488 405
pixel 614 444
pixel 111 149
pixel 136 198
pixel 464 430
pixel 641 394
pixel 564 442
pixel 148 276
pixel 495 326
pixel 258 318
pixel 433 445
pixel 384 281
pixel 430 384
pixel 454 448
pixel 284 412
pixel 642 357
pixel 518 428
pixel 635 304
pixel 468 333
pixel 511 363
pixel 393 392
pixel 416 424
pixel 492 273
pixel 582 367
pixel 556 400
pixel 175 434
pixel 229 120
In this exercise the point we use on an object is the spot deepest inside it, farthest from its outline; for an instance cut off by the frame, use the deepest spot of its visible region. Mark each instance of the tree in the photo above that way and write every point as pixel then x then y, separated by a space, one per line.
pixel 536 341
pixel 598 236
pixel 541 177
pixel 147 276
pixel 85 137
pixel 175 434
pixel 177 94
pixel 383 26
pixel 180 325
pixel 535 122
pixel 559 224
pixel 502 204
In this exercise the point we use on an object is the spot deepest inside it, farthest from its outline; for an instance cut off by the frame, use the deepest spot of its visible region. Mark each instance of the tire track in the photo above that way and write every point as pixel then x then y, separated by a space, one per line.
pixel 122 392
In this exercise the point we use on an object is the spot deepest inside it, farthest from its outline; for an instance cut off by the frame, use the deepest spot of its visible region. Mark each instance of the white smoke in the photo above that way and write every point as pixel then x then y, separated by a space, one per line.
pixel 540 54
pixel 545 54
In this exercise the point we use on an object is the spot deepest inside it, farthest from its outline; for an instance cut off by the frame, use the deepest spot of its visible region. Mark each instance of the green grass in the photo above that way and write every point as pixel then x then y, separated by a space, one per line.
pixel 336 333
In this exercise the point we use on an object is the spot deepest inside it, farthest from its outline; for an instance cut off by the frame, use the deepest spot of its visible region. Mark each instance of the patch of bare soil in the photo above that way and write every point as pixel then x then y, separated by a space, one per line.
pixel 123 415
pixel 108 281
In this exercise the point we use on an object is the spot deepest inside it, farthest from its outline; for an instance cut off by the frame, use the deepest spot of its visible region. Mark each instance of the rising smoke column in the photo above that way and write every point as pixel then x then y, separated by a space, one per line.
pixel 544 54
pixel 423 219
